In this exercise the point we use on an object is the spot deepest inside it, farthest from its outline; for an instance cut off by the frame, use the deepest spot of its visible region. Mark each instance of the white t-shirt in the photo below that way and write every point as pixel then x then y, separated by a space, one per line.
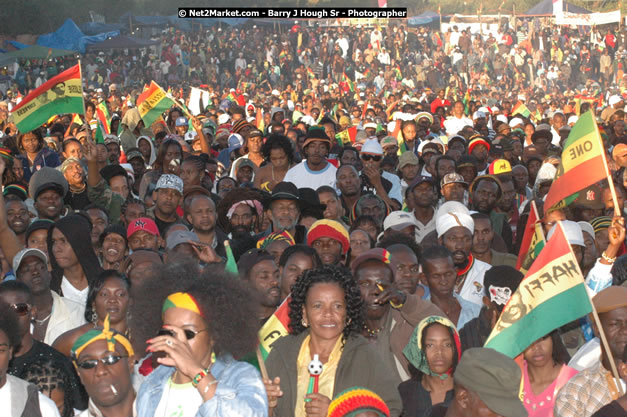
pixel 472 289
pixel 72 293
pixel 302 177
pixel 179 400
pixel 47 407
pixel 453 125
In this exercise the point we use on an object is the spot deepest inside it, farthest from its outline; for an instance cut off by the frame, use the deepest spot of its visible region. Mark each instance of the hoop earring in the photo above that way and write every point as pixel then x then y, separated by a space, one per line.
pixel 304 323
pixel 94 317
pixel 349 321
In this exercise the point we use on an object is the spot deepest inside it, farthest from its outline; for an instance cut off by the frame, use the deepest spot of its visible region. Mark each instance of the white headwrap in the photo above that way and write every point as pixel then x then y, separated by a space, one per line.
pixel 446 221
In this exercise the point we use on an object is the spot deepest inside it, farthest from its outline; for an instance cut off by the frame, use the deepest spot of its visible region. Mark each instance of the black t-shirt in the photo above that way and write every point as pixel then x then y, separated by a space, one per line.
pixel 417 400
pixel 163 226
pixel 613 409
pixel 40 355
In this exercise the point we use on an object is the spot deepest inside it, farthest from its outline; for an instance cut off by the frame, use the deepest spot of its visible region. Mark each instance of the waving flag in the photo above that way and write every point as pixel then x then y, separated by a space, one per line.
pixel 583 161
pixel 59 95
pixel 152 103
pixel 346 137
pixel 102 114
pixel 532 241
pixel 276 327
pixel 521 109
pixel 552 294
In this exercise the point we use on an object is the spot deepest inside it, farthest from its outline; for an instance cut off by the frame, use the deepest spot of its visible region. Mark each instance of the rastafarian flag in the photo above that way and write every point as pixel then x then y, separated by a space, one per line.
pixel 583 161
pixel 552 294
pixel 59 95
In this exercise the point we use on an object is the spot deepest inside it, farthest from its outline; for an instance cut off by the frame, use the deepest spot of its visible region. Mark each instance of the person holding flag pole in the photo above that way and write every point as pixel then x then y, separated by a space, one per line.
pixel 537 308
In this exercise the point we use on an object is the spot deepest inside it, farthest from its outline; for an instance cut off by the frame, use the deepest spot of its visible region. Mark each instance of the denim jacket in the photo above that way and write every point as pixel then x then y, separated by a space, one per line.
pixel 240 391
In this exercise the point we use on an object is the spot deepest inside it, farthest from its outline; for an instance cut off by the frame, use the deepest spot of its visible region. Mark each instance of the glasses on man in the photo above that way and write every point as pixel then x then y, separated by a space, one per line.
pixel 189 334
pixel 366 157
pixel 21 309
pixel 107 360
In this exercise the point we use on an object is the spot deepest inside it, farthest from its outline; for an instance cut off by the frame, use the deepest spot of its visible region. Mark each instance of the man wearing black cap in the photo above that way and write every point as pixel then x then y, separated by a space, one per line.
pixel 283 208
pixel 422 196
pixel 487 383
pixel 48 187
pixel 594 387
pixel 314 171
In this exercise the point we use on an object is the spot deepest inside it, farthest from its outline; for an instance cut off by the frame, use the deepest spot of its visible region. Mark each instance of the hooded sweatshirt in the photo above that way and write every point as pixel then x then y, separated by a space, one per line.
pixel 153 153
pixel 129 122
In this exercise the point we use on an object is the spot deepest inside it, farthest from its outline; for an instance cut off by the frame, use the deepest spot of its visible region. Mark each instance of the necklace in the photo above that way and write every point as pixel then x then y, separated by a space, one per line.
pixel 44 319
pixel 372 333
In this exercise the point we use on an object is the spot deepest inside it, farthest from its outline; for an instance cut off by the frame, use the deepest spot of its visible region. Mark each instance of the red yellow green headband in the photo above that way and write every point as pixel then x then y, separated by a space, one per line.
pixel 181 300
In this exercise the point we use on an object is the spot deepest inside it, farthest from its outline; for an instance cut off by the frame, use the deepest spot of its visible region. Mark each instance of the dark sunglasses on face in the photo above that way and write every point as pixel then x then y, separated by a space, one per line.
pixel 21 309
pixel 189 334
pixel 375 158
pixel 107 360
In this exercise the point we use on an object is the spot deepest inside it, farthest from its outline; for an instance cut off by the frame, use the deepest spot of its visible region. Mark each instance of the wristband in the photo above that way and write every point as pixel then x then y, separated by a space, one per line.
pixel 199 376
pixel 607 258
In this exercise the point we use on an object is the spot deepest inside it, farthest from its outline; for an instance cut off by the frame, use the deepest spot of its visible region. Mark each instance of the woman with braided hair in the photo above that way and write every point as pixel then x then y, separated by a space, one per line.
pixel 53 382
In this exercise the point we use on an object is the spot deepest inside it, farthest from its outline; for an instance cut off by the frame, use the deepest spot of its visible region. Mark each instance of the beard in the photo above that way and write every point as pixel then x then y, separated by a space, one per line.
pixel 240 232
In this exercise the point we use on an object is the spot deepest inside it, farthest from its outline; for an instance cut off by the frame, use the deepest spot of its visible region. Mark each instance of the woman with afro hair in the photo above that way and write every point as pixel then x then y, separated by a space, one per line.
pixel 326 317
pixel 204 327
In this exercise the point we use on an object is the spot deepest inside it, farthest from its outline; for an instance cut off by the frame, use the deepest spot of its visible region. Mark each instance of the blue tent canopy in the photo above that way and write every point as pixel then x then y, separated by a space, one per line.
pixel 95 28
pixel 18 45
pixel 425 18
pixel 70 37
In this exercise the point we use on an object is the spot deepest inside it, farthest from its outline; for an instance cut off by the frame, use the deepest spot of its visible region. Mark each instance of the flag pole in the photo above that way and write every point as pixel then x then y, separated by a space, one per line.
pixel 608 352
pixel 80 75
pixel 262 364
pixel 595 315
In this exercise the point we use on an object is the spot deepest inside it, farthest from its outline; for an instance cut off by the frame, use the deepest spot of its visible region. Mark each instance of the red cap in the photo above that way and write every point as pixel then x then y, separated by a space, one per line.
pixel 142 223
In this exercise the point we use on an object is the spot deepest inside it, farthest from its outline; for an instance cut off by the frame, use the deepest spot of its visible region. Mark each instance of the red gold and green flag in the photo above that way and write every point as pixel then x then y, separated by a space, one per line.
pixel 59 95
pixel 580 99
pixel 310 73
pixel 521 109
pixel 102 114
pixel 347 137
pixel 583 161
pixel 275 327
pixel 152 103
pixel 552 294
pixel 532 241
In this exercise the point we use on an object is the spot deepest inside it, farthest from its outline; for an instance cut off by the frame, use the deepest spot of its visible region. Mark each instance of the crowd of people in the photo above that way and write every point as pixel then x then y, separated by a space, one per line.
pixel 376 181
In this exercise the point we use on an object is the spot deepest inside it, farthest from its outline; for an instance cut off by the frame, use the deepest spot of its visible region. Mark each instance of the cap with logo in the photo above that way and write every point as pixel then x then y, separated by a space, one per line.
pixel 144 224
pixel 170 181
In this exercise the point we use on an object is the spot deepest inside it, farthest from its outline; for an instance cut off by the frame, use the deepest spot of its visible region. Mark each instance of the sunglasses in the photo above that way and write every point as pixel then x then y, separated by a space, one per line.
pixel 107 360
pixel 189 334
pixel 21 309
pixel 375 158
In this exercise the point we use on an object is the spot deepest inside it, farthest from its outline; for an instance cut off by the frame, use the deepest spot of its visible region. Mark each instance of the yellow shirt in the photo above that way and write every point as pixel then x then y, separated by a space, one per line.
pixel 326 380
